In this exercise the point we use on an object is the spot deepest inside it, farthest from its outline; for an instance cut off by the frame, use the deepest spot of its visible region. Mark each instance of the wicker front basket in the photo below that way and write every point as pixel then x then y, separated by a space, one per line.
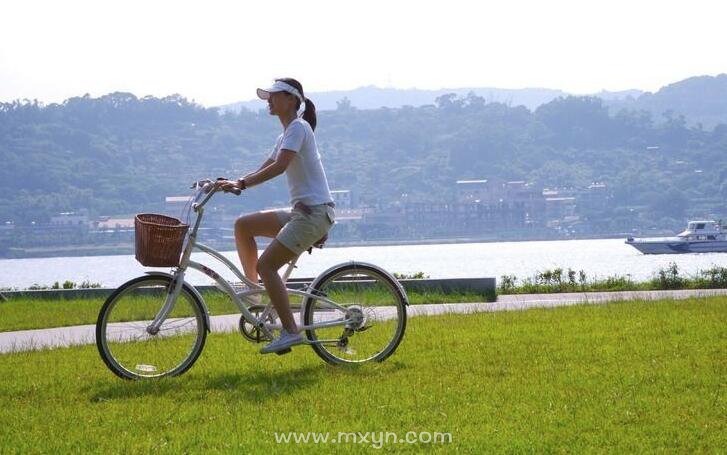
pixel 159 239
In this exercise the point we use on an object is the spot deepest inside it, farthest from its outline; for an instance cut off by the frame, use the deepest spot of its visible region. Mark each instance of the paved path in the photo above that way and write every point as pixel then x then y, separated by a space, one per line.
pixel 26 340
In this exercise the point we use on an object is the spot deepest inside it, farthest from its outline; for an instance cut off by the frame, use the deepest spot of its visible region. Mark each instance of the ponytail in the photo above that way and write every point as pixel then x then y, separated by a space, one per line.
pixel 309 114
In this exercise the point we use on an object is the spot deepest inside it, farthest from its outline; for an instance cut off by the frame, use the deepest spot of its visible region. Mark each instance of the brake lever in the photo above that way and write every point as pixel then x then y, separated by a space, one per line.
pixel 200 183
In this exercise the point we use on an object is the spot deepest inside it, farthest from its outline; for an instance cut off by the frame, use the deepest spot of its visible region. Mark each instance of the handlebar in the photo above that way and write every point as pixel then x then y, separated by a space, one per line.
pixel 209 187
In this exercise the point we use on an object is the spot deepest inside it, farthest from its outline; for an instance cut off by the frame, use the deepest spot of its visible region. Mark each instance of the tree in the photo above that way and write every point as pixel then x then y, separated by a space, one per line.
pixel 449 102
pixel 671 203
pixel 578 121
pixel 344 104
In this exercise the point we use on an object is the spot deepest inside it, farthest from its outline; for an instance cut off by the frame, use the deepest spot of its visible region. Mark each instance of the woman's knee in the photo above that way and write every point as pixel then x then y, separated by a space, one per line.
pixel 242 225
pixel 275 256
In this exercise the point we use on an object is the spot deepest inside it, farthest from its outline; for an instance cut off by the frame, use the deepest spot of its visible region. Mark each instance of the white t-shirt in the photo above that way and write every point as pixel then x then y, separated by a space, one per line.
pixel 306 179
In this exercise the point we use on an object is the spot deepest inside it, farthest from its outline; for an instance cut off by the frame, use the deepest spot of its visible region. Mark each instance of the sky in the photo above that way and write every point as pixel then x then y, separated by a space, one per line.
pixel 218 52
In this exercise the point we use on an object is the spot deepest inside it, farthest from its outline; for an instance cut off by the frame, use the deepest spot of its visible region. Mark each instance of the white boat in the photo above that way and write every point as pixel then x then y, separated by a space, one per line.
pixel 699 237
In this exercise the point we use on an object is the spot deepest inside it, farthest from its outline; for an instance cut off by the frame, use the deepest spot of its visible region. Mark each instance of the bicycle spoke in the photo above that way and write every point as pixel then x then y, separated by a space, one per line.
pixel 374 318
pixel 125 343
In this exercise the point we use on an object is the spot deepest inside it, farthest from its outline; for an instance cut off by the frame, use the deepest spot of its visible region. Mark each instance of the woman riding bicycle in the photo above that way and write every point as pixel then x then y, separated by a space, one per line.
pixel 295 230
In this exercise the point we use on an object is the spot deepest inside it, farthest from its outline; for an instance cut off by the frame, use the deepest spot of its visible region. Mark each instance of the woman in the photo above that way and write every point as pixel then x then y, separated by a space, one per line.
pixel 296 230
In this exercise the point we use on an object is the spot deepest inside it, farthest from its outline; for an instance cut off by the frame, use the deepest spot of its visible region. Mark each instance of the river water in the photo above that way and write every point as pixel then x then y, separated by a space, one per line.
pixel 598 258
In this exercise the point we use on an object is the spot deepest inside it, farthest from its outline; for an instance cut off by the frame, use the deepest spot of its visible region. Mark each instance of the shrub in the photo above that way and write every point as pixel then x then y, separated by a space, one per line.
pixel 715 277
pixel 507 283
pixel 571 277
pixel 410 276
pixel 668 278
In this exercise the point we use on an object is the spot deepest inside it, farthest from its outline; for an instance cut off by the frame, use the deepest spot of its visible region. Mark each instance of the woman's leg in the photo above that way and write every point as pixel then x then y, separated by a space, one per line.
pixel 266 224
pixel 274 257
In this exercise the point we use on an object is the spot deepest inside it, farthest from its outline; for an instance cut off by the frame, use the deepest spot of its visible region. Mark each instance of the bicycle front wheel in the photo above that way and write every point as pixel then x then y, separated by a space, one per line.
pixel 373 318
pixel 124 339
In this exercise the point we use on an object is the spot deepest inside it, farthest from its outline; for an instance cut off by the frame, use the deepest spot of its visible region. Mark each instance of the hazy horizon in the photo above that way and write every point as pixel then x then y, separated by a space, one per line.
pixel 254 98
pixel 219 53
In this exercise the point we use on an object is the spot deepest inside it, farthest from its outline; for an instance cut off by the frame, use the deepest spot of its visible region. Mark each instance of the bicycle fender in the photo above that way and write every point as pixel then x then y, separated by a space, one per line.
pixel 194 291
pixel 364 265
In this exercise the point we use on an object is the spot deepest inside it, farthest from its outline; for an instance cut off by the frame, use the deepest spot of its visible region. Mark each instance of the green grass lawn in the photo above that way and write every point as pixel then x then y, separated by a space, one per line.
pixel 623 378
pixel 33 313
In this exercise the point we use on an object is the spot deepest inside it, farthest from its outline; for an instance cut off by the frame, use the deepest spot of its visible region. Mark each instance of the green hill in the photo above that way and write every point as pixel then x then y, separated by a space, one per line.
pixel 123 154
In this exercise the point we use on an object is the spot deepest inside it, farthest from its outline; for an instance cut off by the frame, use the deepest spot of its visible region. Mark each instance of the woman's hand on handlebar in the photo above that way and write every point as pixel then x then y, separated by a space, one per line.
pixel 228 186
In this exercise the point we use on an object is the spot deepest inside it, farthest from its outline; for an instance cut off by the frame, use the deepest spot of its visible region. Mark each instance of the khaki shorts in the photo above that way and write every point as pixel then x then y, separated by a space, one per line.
pixel 301 230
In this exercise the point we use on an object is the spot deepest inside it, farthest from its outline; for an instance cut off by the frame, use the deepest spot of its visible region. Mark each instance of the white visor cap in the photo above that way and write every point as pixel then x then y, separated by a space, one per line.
pixel 279 86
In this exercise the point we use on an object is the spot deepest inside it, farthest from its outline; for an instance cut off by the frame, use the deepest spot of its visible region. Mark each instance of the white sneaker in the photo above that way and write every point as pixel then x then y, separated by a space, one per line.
pixel 283 342
pixel 253 299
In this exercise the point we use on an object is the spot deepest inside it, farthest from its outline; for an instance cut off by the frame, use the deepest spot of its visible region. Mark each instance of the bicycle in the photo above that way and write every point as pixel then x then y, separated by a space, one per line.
pixel 156 325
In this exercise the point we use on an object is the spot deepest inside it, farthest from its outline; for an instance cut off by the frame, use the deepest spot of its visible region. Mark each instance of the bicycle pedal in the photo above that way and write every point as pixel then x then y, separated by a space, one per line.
pixel 284 351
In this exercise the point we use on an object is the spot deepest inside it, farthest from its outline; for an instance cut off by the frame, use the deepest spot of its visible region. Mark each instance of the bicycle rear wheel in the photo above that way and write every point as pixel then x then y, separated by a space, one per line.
pixel 374 315
pixel 127 346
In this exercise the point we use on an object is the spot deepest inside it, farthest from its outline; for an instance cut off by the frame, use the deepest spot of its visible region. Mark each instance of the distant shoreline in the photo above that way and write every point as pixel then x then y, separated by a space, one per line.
pixel 128 249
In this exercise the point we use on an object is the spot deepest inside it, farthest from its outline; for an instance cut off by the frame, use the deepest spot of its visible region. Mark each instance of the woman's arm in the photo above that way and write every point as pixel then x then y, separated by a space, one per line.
pixel 267 163
pixel 269 169
pixel 273 169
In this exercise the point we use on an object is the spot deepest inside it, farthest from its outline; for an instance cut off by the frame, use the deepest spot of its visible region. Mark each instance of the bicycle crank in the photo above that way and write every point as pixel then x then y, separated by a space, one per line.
pixel 249 330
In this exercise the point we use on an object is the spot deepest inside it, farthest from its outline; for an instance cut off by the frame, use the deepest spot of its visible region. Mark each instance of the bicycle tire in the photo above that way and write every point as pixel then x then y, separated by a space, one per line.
pixel 145 283
pixel 375 274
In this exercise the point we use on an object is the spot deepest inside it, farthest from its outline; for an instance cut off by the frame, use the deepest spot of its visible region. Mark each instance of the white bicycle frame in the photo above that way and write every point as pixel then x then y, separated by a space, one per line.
pixel 237 297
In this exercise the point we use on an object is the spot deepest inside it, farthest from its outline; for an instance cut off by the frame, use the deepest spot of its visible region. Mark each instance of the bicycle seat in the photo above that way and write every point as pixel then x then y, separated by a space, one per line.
pixel 318 244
